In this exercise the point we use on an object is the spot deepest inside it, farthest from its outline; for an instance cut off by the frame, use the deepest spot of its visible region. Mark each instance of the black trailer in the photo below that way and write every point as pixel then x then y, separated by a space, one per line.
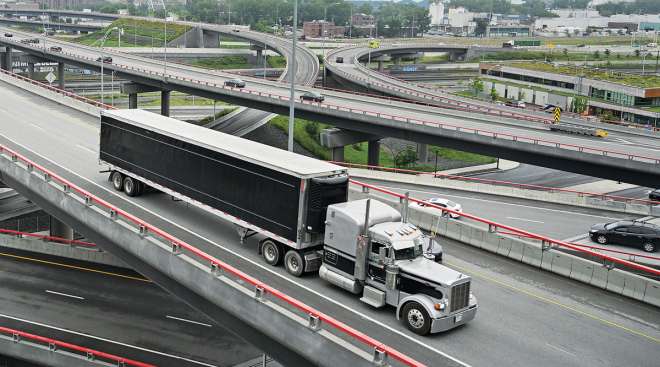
pixel 262 189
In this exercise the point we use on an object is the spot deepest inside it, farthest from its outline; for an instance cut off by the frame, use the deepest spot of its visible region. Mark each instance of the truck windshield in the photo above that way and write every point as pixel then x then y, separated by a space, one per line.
pixel 408 252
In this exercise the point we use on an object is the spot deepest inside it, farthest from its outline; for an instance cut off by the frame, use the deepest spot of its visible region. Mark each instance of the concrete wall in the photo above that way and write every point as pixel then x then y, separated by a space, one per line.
pixel 573 267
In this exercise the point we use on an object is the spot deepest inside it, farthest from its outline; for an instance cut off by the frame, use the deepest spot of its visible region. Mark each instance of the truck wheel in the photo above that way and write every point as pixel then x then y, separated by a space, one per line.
pixel 117 180
pixel 294 263
pixel 416 318
pixel 131 186
pixel 271 252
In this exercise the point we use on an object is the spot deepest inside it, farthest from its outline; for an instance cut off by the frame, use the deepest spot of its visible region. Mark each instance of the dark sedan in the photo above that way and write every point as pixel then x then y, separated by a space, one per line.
pixel 235 83
pixel 655 195
pixel 105 59
pixel 312 96
pixel 627 233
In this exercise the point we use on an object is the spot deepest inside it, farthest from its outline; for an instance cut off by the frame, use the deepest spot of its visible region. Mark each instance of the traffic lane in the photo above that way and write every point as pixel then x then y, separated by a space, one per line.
pixel 105 309
pixel 553 220
pixel 535 175
pixel 634 192
pixel 632 253
pixel 206 226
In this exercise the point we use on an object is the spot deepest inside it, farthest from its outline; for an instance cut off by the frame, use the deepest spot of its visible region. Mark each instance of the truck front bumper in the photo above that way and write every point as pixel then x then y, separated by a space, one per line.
pixel 454 320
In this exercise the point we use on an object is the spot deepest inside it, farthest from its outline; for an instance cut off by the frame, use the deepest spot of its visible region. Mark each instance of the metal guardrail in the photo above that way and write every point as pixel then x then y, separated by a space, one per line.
pixel 500 183
pixel 493 227
pixel 47 238
pixel 407 120
pixel 54 345
pixel 262 290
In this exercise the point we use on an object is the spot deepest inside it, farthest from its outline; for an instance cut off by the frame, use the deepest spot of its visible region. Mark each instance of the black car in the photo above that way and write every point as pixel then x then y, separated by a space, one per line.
pixel 105 59
pixel 627 233
pixel 56 48
pixel 312 96
pixel 655 195
pixel 235 83
pixel 339 60
pixel 9 35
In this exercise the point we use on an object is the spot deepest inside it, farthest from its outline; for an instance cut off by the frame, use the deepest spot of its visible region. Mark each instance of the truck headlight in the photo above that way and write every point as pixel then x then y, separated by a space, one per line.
pixel 441 306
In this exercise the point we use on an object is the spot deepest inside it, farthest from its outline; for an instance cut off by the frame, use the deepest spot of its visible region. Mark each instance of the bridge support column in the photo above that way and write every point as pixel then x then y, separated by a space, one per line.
pixel 423 153
pixel 397 60
pixel 337 139
pixel 373 153
pixel 211 39
pixel 338 154
pixel 7 59
pixel 133 101
pixel 260 56
pixel 165 103
pixel 31 70
pixel 60 229
pixel 60 75
pixel 381 66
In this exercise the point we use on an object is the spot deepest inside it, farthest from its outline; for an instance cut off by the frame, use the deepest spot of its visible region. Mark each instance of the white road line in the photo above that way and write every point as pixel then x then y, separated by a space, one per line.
pixel 263 267
pixel 493 201
pixel 186 320
pixel 64 294
pixel 576 238
pixel 525 220
pixel 561 349
pixel 85 148
pixel 107 340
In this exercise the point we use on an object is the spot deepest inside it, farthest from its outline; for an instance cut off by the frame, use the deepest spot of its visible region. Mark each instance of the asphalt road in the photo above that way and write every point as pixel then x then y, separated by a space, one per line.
pixel 527 317
pixel 111 310
pixel 536 175
pixel 374 105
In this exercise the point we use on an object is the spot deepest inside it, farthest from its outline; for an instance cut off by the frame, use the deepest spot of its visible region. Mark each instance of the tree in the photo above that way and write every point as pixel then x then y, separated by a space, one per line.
pixel 607 53
pixel 565 52
pixel 405 157
pixel 637 53
pixel 477 85
pixel 596 54
pixel 493 94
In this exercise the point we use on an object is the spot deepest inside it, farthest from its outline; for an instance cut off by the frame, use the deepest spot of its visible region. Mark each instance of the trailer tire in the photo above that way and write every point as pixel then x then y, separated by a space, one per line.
pixel 294 263
pixel 416 318
pixel 131 186
pixel 271 252
pixel 117 180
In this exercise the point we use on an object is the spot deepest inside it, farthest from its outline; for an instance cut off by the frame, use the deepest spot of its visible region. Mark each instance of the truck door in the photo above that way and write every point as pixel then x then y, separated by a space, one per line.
pixel 375 270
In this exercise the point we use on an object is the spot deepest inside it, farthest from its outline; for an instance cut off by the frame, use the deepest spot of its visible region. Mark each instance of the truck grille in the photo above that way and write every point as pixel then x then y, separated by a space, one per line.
pixel 460 297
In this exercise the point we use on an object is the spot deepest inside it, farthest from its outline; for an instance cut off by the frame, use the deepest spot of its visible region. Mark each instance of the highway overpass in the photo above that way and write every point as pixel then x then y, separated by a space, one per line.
pixel 535 311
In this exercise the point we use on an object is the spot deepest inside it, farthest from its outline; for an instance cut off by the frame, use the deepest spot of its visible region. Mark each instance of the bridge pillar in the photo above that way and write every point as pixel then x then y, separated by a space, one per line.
pixel 132 101
pixel 60 229
pixel 381 66
pixel 165 103
pixel 423 153
pixel 31 70
pixel 211 39
pixel 260 55
pixel 397 60
pixel 338 154
pixel 373 153
pixel 60 75
pixel 7 58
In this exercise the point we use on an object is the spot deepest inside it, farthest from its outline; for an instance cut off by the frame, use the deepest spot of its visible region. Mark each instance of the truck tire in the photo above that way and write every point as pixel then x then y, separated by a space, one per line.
pixel 416 318
pixel 131 186
pixel 271 252
pixel 294 263
pixel 117 180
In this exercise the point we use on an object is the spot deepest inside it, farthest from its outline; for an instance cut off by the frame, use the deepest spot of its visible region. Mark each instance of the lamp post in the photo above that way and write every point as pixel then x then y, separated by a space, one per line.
pixel 105 37
pixel 292 72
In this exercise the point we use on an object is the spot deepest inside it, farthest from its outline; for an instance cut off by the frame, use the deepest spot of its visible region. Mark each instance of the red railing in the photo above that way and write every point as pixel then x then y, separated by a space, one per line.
pixel 54 344
pixel 46 238
pixel 499 183
pixel 495 227
pixel 212 262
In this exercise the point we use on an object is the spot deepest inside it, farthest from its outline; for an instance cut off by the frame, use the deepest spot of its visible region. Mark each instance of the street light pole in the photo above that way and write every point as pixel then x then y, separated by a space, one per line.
pixel 292 72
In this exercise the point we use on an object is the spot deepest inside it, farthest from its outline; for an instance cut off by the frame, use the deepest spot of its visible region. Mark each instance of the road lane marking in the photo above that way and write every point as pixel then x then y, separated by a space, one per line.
pixel 64 294
pixel 244 258
pixel 489 201
pixel 186 320
pixel 561 349
pixel 576 238
pixel 105 340
pixel 85 148
pixel 525 220
pixel 74 267
pixel 552 302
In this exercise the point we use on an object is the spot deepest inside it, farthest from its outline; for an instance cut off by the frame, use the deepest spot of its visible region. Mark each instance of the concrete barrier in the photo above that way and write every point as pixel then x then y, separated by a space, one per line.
pixel 532 255
pixel 559 197
pixel 582 271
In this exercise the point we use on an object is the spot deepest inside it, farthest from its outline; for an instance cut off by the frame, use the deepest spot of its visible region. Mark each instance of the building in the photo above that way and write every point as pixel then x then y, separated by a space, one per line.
pixel 509 30
pixel 437 12
pixel 20 5
pixel 361 20
pixel 621 96
pixel 322 28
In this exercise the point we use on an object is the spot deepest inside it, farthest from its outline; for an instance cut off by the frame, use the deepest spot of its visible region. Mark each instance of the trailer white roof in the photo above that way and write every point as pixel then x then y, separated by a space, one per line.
pixel 257 153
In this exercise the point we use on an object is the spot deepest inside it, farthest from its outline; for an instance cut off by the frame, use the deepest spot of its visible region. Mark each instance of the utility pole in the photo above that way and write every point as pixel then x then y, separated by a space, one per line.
pixel 292 73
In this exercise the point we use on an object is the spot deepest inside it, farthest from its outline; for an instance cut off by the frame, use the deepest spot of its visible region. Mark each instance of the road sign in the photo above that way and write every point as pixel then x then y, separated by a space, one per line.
pixel 557 114
pixel 51 77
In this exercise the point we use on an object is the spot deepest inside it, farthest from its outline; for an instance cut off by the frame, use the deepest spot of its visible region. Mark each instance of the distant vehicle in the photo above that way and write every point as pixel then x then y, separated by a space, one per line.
pixel 627 233
pixel 500 103
pixel 236 30
pixel 579 130
pixel 581 45
pixel 551 108
pixel 516 104
pixel 521 43
pixel 655 195
pixel 56 48
pixel 8 35
pixel 652 45
pixel 235 83
pixel 105 59
pixel 339 60
pixel 445 203
pixel 312 96
pixel 30 40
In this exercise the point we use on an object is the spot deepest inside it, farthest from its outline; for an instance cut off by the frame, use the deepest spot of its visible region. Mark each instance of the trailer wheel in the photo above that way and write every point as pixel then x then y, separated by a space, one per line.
pixel 271 252
pixel 416 318
pixel 117 180
pixel 131 186
pixel 294 263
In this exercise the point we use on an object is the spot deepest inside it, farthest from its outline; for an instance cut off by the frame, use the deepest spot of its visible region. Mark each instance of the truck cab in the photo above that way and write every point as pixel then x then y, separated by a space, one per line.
pixel 374 253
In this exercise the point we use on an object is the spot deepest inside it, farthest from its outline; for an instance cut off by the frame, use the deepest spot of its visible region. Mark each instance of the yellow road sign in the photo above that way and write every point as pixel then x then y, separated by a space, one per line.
pixel 557 114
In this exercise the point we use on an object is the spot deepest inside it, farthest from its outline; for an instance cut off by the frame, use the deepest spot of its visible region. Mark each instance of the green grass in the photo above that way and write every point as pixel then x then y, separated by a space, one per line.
pixel 233 46
pixel 647 81
pixel 653 109
pixel 224 112
pixel 224 62
pixel 136 33
pixel 436 59
pixel 276 61
pixel 357 153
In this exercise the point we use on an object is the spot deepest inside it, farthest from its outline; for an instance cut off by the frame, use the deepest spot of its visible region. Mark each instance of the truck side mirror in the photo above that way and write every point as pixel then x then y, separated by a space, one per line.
pixel 382 254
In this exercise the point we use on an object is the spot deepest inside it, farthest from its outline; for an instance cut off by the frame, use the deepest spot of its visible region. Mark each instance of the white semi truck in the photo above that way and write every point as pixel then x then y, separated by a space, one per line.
pixel 299 208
